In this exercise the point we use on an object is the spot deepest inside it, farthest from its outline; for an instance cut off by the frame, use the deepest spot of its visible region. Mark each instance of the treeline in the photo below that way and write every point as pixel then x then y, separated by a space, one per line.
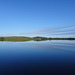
pixel 62 38
pixel 45 38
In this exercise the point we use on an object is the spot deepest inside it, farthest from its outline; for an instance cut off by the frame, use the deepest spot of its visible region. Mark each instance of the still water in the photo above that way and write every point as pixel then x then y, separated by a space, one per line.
pixel 38 58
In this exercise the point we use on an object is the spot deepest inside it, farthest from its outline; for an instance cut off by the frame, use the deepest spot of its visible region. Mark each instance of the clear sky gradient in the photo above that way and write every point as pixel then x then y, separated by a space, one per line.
pixel 37 18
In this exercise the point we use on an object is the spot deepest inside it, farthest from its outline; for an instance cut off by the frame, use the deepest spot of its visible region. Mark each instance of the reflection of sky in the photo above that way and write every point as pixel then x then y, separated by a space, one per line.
pixel 33 48
pixel 21 17
pixel 23 56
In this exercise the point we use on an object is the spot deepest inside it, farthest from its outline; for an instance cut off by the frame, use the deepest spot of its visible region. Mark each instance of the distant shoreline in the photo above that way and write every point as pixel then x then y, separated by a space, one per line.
pixel 19 38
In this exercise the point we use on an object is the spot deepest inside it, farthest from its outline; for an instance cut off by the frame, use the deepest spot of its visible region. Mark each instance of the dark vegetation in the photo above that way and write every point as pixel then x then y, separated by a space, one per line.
pixel 1 38
pixel 38 38
pixel 44 38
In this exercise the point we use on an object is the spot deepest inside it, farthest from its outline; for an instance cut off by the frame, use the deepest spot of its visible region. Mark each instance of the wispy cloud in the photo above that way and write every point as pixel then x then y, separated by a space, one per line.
pixel 65 30
pixel 53 30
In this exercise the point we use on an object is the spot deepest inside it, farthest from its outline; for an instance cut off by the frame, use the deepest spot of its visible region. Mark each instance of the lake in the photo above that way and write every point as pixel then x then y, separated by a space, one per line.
pixel 37 57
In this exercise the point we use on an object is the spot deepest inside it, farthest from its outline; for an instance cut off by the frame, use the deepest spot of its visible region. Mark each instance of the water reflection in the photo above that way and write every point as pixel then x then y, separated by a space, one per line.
pixel 32 57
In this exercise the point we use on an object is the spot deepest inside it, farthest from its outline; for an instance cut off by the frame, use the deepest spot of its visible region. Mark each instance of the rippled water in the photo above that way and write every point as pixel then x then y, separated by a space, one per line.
pixel 38 58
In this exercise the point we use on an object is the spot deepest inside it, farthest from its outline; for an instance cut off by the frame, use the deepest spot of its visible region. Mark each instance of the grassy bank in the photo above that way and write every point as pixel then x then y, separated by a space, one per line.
pixel 14 38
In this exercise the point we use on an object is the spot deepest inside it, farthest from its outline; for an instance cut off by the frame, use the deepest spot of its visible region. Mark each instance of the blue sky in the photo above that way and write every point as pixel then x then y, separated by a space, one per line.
pixel 37 18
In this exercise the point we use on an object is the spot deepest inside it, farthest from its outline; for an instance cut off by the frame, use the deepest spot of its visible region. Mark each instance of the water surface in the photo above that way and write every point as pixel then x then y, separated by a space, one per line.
pixel 38 58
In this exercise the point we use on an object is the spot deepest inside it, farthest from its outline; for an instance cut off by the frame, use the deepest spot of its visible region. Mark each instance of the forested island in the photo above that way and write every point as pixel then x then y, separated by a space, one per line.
pixel 38 38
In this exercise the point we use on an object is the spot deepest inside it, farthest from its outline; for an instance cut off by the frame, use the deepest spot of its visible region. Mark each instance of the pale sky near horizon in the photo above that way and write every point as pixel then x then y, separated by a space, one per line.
pixel 52 18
